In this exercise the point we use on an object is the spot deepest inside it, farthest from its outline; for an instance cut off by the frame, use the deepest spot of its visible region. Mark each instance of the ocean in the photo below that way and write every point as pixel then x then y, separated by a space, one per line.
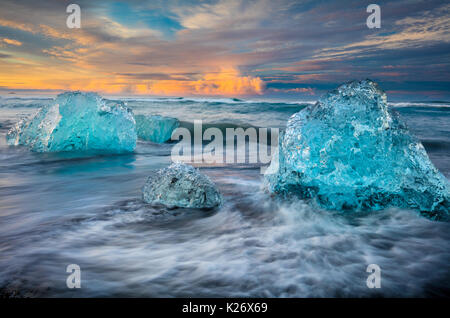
pixel 58 209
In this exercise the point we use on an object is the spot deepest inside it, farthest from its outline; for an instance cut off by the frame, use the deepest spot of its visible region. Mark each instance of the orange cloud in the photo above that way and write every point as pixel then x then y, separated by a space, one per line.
pixel 11 42
pixel 226 82
pixel 17 25
pixel 76 35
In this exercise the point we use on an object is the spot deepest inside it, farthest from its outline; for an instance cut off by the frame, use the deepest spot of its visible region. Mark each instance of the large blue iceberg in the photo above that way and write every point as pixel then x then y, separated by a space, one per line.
pixel 350 152
pixel 77 121
pixel 181 185
pixel 155 128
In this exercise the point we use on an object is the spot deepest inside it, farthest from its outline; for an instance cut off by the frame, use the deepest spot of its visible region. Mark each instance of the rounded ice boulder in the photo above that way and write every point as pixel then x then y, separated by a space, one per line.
pixel 181 185
pixel 77 121
pixel 350 152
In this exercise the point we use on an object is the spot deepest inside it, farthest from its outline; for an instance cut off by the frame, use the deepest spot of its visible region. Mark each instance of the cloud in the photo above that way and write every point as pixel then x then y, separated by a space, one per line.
pixel 308 90
pixel 11 42
pixel 413 32
pixel 226 82
pixel 225 13
pixel 176 47
pixel 149 76
pixel 17 25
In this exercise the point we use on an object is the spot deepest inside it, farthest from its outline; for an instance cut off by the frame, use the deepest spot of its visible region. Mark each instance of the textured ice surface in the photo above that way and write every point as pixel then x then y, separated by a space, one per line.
pixel 349 152
pixel 155 128
pixel 77 121
pixel 181 185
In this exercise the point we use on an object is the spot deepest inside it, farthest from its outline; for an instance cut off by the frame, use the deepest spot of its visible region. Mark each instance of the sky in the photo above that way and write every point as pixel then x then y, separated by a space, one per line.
pixel 266 48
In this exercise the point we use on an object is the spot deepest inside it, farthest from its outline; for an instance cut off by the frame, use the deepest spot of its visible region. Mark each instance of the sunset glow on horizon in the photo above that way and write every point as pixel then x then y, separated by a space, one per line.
pixel 297 49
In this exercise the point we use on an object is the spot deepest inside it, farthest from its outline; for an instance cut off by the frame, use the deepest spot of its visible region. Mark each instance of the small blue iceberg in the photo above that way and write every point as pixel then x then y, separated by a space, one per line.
pixel 350 152
pixel 155 128
pixel 181 185
pixel 77 121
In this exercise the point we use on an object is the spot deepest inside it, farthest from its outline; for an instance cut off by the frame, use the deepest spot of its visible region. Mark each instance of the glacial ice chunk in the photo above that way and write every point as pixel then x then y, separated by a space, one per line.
pixel 77 121
pixel 350 152
pixel 181 185
pixel 155 128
